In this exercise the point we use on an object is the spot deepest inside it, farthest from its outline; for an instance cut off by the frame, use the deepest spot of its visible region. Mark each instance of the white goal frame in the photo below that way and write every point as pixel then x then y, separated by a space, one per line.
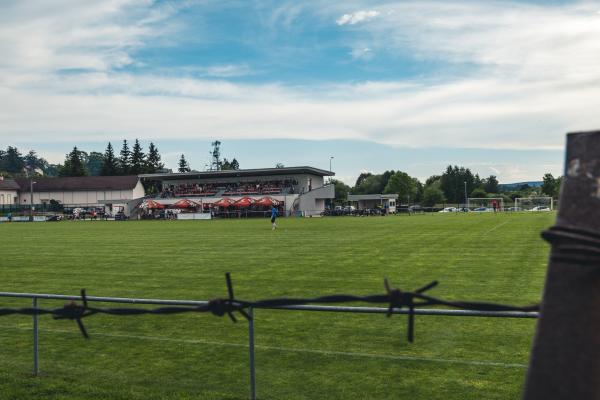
pixel 500 201
pixel 551 206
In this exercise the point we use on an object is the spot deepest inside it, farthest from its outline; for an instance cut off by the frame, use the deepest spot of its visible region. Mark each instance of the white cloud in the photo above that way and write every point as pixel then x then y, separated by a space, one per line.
pixel 361 52
pixel 487 113
pixel 96 34
pixel 219 71
pixel 515 39
pixel 355 18
pixel 537 78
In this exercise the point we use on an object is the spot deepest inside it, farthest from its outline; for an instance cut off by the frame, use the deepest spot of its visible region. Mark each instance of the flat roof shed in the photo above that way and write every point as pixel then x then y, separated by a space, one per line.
pixel 367 201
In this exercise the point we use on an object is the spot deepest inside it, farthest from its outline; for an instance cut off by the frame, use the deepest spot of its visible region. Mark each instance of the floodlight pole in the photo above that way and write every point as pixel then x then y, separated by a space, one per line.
pixel 565 358
pixel 31 198
pixel 466 198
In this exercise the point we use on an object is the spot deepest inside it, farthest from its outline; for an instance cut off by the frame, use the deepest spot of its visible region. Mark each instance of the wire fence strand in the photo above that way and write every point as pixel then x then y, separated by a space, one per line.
pixel 395 299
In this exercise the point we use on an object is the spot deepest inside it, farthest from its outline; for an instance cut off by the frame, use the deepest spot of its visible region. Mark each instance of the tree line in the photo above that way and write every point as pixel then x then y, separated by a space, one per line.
pixel 453 186
pixel 448 187
pixel 129 161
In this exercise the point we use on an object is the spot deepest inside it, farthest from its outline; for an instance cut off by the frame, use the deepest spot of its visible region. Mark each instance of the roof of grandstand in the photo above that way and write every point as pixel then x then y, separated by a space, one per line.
pixel 240 173
pixel 80 183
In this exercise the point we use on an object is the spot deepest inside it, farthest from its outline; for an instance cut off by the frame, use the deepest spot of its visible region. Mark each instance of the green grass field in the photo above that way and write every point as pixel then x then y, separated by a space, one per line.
pixel 300 355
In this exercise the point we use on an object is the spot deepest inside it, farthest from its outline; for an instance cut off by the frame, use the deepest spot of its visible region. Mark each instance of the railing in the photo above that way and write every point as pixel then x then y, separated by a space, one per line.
pixel 249 313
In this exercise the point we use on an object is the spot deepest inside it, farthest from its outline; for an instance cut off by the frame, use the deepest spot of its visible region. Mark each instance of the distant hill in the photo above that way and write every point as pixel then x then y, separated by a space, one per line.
pixel 518 185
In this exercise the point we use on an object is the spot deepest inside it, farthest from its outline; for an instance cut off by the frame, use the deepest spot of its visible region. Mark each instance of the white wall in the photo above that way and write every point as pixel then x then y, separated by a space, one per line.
pixel 8 196
pixel 138 191
pixel 313 203
pixel 82 197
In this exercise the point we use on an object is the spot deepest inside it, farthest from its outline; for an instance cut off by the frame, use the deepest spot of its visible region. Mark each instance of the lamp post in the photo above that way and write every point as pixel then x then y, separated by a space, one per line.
pixel 31 183
pixel 466 205
pixel 330 158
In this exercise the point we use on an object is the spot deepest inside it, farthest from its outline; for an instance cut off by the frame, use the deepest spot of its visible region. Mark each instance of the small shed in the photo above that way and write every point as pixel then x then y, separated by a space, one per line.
pixel 386 202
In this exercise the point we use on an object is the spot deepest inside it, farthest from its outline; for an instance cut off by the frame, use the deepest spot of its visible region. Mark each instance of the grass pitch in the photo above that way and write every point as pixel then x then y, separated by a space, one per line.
pixel 300 355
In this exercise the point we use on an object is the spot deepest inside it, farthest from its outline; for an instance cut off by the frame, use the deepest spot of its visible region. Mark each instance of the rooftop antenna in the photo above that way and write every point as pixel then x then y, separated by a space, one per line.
pixel 216 164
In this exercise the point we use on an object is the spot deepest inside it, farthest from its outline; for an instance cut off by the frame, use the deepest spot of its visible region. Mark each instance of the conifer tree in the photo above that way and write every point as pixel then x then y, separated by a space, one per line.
pixel 125 159
pixel 110 166
pixel 137 159
pixel 74 165
pixel 153 163
pixel 183 164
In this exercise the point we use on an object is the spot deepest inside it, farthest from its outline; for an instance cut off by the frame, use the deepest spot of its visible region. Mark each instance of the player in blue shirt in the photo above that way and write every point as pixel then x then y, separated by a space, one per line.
pixel 273 217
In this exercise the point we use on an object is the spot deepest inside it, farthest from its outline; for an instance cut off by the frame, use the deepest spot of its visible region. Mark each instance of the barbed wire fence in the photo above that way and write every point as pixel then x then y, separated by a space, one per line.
pixel 397 301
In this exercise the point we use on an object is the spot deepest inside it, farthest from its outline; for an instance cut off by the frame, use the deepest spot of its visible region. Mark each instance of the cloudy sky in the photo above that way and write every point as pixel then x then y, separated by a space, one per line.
pixel 377 85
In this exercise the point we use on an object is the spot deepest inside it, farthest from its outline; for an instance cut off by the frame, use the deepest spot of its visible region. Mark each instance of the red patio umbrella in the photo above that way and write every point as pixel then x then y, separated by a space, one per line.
pixel 152 205
pixel 266 201
pixel 224 202
pixel 185 203
pixel 244 202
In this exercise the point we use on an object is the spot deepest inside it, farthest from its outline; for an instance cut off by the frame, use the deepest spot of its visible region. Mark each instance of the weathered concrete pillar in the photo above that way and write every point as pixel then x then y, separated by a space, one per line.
pixel 565 359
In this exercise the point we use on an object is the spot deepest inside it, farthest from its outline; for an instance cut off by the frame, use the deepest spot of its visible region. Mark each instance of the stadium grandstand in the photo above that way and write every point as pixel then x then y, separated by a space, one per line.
pixel 297 190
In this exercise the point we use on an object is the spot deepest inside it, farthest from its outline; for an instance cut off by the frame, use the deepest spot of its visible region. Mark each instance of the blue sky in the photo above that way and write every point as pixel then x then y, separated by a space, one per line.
pixel 402 85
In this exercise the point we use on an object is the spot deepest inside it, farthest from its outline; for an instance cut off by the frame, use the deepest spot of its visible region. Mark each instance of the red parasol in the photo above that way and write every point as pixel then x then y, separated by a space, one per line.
pixel 266 201
pixel 244 202
pixel 224 202
pixel 152 205
pixel 185 203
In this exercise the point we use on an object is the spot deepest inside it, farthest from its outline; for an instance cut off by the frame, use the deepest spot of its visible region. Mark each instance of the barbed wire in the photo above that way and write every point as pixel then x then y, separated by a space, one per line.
pixel 395 299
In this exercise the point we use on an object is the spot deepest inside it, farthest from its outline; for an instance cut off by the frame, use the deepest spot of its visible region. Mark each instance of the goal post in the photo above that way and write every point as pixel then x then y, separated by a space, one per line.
pixel 534 204
pixel 490 203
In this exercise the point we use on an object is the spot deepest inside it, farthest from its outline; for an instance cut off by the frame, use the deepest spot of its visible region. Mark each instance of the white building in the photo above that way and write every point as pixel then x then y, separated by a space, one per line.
pixel 85 191
pixel 9 191
pixel 371 201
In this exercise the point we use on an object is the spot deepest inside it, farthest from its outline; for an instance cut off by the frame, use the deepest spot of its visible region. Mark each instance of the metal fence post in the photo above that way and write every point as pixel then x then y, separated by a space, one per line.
pixel 36 365
pixel 251 348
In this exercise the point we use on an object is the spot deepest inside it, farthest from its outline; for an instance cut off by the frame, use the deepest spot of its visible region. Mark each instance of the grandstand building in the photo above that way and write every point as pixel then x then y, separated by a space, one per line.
pixel 299 190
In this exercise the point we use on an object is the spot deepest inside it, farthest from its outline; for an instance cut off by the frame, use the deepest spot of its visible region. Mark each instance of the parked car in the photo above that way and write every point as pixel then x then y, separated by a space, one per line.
pixel 120 216
pixel 514 209
pixel 540 208
pixel 463 209
pixel 449 209
pixel 482 209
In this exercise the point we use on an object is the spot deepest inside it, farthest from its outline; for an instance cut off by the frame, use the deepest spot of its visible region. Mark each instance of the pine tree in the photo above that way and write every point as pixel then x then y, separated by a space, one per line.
pixel 225 165
pixel 13 160
pixel 183 164
pixel 125 159
pixel 137 159
pixel 153 163
pixel 235 164
pixel 74 165
pixel 110 166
